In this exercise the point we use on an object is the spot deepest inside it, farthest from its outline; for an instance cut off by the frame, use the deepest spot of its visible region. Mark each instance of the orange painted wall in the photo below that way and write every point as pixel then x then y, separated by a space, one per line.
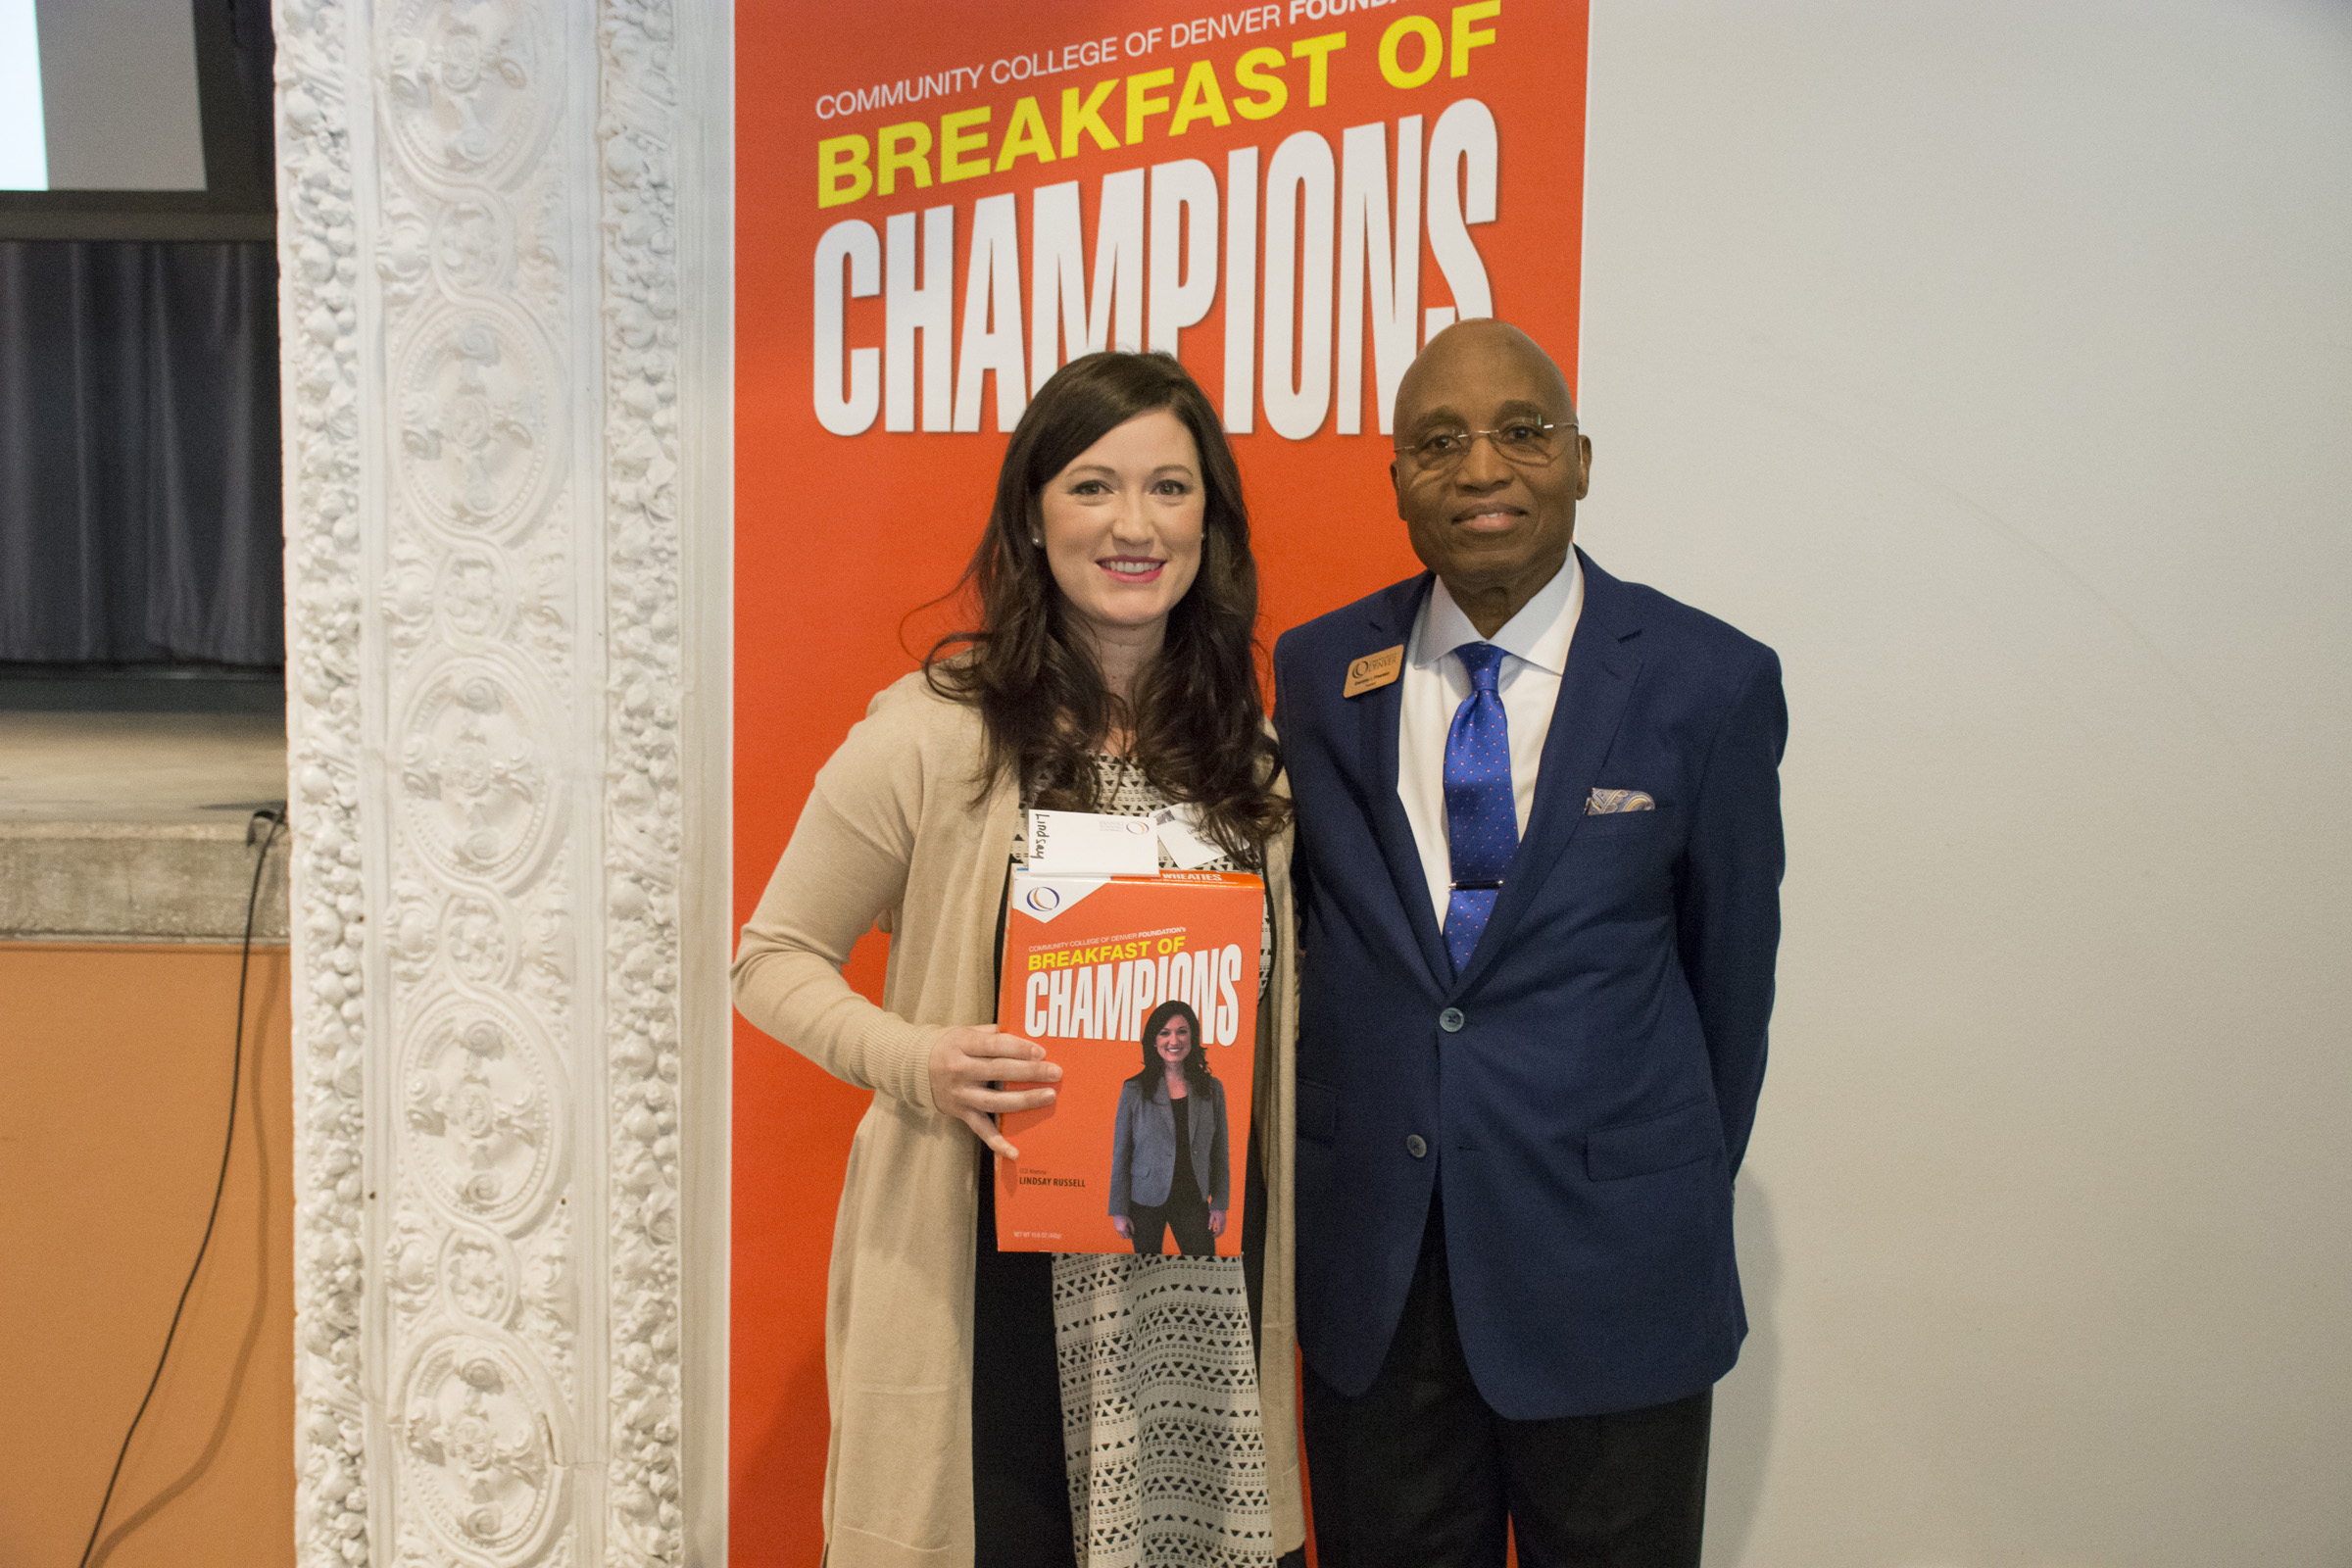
pixel 116 1061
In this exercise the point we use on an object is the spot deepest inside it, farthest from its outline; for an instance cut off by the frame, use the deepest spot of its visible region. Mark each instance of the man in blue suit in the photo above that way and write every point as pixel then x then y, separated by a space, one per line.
pixel 1538 865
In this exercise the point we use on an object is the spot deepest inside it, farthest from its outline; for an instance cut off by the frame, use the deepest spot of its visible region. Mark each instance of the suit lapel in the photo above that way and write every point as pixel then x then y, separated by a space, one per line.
pixel 1599 679
pixel 1378 715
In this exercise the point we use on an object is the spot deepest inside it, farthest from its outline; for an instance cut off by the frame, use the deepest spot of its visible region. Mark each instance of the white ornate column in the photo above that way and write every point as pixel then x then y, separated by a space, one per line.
pixel 505 313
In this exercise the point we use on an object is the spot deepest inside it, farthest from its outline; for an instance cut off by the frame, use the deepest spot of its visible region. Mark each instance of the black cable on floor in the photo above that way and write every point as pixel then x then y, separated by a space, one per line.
pixel 277 818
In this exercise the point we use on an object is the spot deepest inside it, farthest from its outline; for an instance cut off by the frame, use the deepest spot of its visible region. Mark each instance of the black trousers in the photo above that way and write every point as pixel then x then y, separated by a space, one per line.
pixel 1419 1471
pixel 1185 1212
pixel 1020 1485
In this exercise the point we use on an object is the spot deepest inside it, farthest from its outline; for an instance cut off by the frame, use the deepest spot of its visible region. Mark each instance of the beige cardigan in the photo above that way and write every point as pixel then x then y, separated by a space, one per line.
pixel 890 838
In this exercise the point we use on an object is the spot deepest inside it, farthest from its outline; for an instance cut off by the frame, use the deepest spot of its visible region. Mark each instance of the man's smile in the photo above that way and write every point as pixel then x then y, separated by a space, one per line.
pixel 1489 517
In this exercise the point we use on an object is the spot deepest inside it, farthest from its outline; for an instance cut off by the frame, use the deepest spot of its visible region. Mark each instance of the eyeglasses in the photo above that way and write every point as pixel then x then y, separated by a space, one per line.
pixel 1524 442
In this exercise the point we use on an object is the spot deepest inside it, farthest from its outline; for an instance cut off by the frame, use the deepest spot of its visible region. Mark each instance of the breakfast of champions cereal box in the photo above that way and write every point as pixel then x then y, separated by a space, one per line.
pixel 1145 991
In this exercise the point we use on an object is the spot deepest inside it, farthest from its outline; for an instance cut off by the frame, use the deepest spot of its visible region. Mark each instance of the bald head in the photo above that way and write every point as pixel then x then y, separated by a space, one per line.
pixel 1492 510
pixel 1475 345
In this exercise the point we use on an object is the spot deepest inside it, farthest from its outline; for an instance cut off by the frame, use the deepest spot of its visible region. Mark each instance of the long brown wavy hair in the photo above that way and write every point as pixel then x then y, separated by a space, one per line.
pixel 1197 719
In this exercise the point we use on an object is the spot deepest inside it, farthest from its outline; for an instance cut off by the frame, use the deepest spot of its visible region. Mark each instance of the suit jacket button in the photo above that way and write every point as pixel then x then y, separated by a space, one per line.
pixel 1417 1145
pixel 1450 1020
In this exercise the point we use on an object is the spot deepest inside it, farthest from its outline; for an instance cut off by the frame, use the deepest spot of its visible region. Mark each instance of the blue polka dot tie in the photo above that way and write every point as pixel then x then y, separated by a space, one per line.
pixel 1481 821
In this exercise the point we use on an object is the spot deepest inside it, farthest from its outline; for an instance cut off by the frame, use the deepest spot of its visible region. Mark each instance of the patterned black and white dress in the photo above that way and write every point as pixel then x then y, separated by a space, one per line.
pixel 1162 1434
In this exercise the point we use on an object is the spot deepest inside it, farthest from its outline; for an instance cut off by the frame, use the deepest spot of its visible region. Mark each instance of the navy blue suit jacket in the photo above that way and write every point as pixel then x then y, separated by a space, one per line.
pixel 1582 1090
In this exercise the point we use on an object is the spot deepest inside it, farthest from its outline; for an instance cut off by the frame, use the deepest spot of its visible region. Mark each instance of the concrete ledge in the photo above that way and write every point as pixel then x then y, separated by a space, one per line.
pixel 136 881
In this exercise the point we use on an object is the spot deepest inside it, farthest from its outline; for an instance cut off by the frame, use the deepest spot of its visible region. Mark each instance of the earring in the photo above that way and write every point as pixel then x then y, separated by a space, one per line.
pixel 1038 540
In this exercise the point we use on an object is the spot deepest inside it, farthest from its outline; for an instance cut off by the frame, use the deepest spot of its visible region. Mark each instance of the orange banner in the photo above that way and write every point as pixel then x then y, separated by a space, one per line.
pixel 1101 971
pixel 937 206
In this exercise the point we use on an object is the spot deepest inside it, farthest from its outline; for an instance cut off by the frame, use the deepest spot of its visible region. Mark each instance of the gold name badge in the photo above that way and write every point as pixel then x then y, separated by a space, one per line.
pixel 1374 671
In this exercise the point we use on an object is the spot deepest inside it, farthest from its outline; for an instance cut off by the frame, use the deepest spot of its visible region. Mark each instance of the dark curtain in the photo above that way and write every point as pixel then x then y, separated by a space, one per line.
pixel 139 477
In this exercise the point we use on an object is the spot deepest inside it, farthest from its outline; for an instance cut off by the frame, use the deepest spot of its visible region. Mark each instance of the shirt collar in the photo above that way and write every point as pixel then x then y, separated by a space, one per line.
pixel 1538 635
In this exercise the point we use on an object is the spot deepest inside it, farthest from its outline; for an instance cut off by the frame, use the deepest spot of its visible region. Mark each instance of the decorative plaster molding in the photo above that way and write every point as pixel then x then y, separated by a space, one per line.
pixel 319 335
pixel 482 345
pixel 483 469
pixel 645 687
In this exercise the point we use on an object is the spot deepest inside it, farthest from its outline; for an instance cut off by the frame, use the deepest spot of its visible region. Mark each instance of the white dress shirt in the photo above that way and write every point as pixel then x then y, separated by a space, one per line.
pixel 1535 645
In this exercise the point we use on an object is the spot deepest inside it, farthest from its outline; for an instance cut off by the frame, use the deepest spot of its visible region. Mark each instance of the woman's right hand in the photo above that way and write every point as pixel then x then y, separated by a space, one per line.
pixel 967 1058
pixel 1123 1225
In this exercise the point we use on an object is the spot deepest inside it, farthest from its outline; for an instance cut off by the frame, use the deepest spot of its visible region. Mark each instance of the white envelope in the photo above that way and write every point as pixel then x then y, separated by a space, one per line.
pixel 1179 828
pixel 1088 843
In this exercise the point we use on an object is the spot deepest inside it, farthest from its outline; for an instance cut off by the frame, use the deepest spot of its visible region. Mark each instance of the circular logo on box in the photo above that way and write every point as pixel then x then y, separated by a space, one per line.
pixel 1045 901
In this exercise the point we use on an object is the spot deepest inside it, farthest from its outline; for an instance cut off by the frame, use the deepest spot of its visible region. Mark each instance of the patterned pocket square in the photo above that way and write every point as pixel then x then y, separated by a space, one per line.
pixel 1603 803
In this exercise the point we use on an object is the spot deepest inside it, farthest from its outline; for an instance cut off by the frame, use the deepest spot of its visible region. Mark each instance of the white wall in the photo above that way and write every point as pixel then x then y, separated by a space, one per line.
pixel 1993 359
